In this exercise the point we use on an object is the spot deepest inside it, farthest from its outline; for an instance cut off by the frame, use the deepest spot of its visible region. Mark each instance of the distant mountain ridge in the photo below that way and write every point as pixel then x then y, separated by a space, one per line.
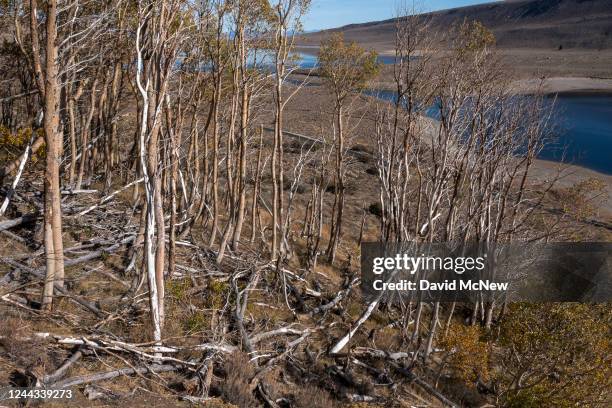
pixel 548 24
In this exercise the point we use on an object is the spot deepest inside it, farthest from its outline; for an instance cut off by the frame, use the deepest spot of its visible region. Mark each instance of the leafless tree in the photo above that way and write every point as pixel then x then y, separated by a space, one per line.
pixel 287 20
pixel 156 51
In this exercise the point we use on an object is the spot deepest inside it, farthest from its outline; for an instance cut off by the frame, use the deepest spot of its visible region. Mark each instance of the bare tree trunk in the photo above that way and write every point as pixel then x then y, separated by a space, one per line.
pixel 160 255
pixel 276 168
pixel 432 329
pixel 336 231
pixel 489 314
pixel 257 176
pixel 215 160
pixel 85 135
pixel 54 248
pixel 174 164
pixel 149 249
pixel 47 298
pixel 277 156
pixel 72 99
pixel 241 190
pixel 450 318
pixel 111 124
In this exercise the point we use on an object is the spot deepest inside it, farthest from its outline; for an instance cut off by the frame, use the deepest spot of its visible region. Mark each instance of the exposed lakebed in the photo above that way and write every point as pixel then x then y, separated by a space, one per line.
pixel 582 123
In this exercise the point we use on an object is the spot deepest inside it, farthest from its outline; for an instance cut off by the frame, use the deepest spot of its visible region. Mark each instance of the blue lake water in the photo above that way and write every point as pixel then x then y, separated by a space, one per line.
pixel 582 125
pixel 308 61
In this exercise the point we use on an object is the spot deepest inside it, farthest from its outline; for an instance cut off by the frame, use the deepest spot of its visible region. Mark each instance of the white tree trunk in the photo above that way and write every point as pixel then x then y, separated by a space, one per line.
pixel 149 251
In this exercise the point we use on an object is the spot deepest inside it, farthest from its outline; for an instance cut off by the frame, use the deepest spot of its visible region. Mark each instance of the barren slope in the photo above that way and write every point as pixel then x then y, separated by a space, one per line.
pixel 542 24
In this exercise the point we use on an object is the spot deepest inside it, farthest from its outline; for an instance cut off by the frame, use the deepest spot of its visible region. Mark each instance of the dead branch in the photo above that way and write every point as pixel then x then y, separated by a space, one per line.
pixel 426 386
pixel 86 379
pixel 377 353
pixel 81 191
pixel 109 197
pixel 21 95
pixel 22 163
pixel 61 371
pixel 41 274
pixel 360 398
pixel 283 330
pixel 24 219
pixel 337 299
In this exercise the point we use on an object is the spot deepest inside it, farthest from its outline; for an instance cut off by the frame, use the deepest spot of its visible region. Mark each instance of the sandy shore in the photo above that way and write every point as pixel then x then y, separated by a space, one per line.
pixel 570 175
pixel 563 84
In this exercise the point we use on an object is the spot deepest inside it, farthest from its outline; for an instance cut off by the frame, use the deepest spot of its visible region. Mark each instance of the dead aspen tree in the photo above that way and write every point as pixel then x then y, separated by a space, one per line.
pixel 49 87
pixel 73 100
pixel 157 42
pixel 64 38
pixel 249 19
pixel 86 132
pixel 215 43
pixel 313 228
pixel 256 186
pixel 287 18
pixel 459 176
pixel 252 22
pixel 347 68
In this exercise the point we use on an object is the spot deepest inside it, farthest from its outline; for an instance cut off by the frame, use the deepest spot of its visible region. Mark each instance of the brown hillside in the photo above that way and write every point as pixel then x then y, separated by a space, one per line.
pixel 542 24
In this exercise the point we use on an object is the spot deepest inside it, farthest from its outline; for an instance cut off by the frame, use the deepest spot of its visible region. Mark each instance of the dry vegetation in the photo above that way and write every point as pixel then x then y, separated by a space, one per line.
pixel 212 215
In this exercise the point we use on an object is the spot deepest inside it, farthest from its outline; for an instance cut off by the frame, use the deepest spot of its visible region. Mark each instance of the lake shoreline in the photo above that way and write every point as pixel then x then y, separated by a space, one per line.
pixel 564 85
pixel 569 175
pixel 591 171
pixel 547 85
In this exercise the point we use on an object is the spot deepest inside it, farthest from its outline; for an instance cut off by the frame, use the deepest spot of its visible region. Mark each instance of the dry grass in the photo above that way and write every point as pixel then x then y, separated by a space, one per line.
pixel 310 396
pixel 235 388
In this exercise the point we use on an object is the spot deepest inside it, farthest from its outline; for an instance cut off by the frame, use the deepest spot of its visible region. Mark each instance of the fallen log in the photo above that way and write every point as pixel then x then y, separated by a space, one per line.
pixel 116 345
pixel 84 245
pixel 150 352
pixel 337 299
pixel 41 274
pixel 360 398
pixel 86 379
pixel 14 237
pixel 283 330
pixel 425 385
pixel 98 253
pixel 362 319
pixel 61 371
pixel 364 316
pixel 376 353
pixel 24 219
